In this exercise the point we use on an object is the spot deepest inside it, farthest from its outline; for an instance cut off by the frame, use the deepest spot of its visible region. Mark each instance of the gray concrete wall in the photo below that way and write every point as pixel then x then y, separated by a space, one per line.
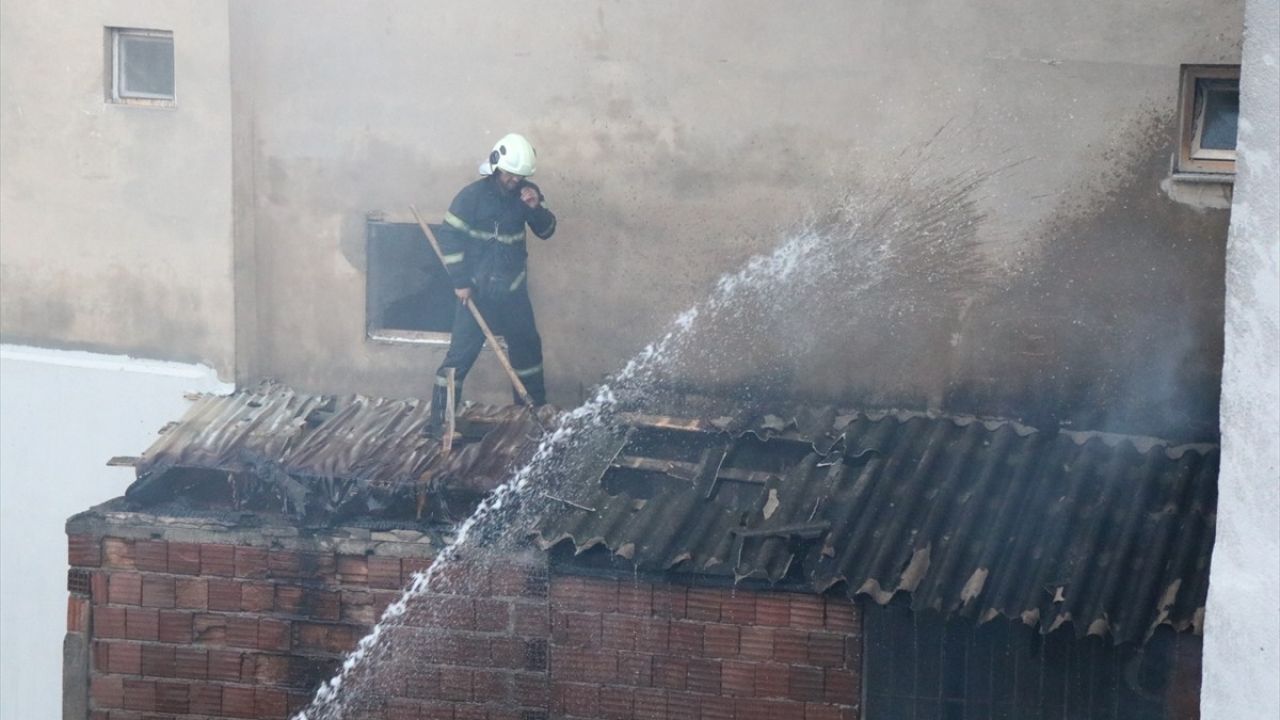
pixel 1242 629
pixel 677 140
pixel 115 221
pixel 62 416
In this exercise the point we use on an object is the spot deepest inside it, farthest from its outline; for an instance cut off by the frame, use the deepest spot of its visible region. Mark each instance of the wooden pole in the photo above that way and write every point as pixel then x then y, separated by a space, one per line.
pixel 484 326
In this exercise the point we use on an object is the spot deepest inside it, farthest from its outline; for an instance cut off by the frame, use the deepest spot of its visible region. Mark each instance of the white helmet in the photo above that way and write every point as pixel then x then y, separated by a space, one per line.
pixel 514 154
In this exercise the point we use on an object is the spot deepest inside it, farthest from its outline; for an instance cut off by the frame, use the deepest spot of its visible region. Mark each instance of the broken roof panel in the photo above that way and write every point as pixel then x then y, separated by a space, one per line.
pixel 969 517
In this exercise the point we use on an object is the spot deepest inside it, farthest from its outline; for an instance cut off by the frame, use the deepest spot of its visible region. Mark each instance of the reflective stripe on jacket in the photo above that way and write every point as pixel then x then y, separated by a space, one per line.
pixel 481 217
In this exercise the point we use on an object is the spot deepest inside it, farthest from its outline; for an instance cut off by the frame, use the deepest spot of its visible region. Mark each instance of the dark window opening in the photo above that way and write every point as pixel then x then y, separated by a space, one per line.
pixel 1208 119
pixel 408 293
pixel 918 667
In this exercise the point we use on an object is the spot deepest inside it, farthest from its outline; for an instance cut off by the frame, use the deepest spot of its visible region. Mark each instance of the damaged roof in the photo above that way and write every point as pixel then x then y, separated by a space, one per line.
pixel 321 457
pixel 980 519
pixel 975 518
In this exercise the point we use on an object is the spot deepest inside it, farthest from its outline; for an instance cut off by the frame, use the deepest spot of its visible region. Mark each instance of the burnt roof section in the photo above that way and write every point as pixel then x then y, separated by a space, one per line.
pixel 972 518
pixel 324 458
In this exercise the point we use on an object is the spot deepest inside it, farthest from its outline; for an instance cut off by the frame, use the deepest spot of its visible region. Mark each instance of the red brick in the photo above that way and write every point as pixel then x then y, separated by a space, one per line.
pixel 574 665
pixel 288 599
pixel 217 560
pixel 108 622
pixel 224 595
pixel 353 570
pixel 469 712
pixel 704 604
pixel 670 601
pixel 257 597
pixel 738 678
pixel 493 615
pixel 841 686
pixel 685 638
pixel 841 616
pixel 790 646
pixel 139 695
pixel 635 670
pixel 327 605
pixel 106 691
pixel 635 598
pixel 773 609
pixel 124 658
pixel 124 589
pixel 455 684
pixel 191 663
pixel 772 680
pixel 286 564
pixel 720 641
pixel 191 593
pixel 158 660
pixel 118 553
pixel 101 656
pixel 411 566
pixel 530 619
pixel 242 632
pixel 84 551
pixel 274 635
pixel 617 632
pixel 271 669
pixel 209 628
pixel 184 558
pixel 227 666
pixel 684 706
pixel 739 608
pixel 383 572
pixel 328 638
pixel 718 708
pixel 79 614
pixel 670 672
pixel 465 578
pixel 151 555
pixel 755 643
pixel 616 703
pixel 584 594
pixel 805 683
pixel 206 699
pixel 704 676
pixel 826 649
pixel 176 626
pixel 767 709
pixel 98 584
pixel 142 624
pixel 533 690
pixel 173 698
pixel 444 611
pixel 493 687
pixel 807 612
pixel 654 635
pixel 158 591
pixel 270 703
pixel 651 705
pixel 251 562
pixel 506 652
pixel 238 701
pixel 357 607
pixel 815 711
pixel 575 699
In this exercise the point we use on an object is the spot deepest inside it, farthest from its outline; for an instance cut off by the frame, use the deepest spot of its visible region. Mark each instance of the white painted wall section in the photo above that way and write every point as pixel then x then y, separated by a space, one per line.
pixel 62 416
pixel 1242 625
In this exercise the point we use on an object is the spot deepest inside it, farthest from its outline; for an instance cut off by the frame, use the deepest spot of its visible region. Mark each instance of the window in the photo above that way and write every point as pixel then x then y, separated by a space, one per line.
pixel 408 295
pixel 1210 107
pixel 140 67
pixel 918 666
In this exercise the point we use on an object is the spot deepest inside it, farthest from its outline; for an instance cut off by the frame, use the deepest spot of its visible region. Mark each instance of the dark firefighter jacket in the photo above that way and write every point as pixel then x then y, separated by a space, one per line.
pixel 484 233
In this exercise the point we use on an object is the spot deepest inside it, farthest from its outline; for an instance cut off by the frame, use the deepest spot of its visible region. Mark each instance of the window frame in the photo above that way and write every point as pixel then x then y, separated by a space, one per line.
pixel 1192 161
pixel 116 93
pixel 395 336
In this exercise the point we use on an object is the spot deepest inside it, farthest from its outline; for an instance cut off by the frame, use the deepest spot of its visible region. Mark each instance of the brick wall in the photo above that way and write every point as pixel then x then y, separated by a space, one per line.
pixel 209 629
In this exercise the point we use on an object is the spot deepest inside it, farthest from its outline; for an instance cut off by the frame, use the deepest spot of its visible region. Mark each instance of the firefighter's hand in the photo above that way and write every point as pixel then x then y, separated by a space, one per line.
pixel 530 197
pixel 464 295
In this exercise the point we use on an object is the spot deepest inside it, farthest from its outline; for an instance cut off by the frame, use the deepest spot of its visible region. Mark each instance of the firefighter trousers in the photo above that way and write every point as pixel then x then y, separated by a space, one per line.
pixel 510 317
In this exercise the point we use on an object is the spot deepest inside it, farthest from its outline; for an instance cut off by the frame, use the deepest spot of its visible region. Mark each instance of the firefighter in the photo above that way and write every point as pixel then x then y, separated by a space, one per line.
pixel 483 242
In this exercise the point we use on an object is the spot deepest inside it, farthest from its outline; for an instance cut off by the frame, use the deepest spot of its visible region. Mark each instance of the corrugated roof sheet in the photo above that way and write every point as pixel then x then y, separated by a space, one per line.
pixel 327 456
pixel 973 518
